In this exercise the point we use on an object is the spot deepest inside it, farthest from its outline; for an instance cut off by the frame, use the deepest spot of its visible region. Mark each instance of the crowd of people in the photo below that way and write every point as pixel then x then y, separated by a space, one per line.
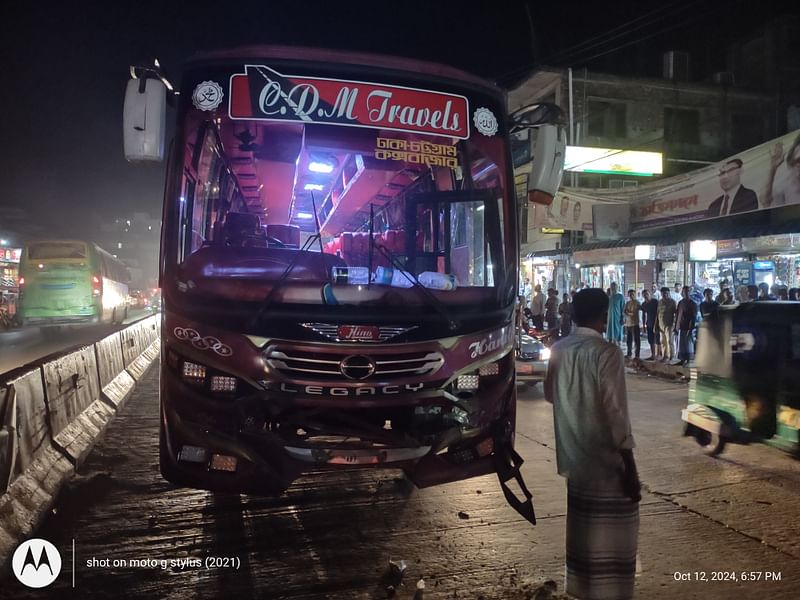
pixel 668 317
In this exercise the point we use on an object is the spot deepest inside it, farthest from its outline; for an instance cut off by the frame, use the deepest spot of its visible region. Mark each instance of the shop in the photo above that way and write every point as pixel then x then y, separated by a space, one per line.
pixel 9 276
pixel 603 266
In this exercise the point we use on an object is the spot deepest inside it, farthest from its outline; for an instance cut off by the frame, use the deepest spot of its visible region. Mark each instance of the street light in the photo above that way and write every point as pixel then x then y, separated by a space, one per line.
pixel 3 242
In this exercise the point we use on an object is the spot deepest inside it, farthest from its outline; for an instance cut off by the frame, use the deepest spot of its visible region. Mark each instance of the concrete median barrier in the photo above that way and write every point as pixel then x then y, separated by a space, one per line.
pixel 76 414
pixel 31 469
pixel 116 384
pixel 140 346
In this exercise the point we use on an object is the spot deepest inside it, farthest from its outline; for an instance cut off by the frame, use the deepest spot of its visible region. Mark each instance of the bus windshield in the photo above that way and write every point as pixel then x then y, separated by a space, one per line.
pixel 50 250
pixel 319 182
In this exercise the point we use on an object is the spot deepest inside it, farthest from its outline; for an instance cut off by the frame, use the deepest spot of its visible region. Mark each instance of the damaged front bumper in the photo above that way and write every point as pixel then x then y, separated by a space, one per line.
pixel 262 442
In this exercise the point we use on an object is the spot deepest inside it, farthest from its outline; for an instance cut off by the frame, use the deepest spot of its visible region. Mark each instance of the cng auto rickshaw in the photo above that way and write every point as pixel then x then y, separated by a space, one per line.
pixel 746 384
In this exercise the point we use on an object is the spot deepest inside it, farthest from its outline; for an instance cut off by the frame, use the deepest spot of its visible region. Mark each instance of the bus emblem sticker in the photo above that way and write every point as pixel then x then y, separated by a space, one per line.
pixel 485 121
pixel 202 342
pixel 207 95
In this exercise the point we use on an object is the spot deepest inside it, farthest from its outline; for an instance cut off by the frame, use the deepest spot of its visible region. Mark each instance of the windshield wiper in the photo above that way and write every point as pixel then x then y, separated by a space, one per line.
pixel 290 267
pixel 437 304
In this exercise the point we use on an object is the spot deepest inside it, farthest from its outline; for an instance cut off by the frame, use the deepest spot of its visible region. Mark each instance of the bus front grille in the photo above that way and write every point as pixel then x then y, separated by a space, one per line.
pixel 329 366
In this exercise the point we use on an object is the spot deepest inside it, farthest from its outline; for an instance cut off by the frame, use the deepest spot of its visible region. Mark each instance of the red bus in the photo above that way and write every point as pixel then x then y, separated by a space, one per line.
pixel 339 267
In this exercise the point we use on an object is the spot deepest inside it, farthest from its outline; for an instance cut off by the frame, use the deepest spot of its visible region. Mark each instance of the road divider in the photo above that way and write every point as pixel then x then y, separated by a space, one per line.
pixel 116 384
pixel 52 415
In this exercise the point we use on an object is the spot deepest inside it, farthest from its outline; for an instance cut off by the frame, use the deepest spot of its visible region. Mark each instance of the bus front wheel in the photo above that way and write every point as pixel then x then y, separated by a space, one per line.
pixel 712 444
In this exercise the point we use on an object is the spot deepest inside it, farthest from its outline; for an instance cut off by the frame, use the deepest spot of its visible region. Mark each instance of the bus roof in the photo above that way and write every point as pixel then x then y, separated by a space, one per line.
pixel 346 57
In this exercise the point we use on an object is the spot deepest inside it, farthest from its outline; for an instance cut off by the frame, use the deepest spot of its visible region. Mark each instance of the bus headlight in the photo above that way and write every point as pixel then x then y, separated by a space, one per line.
pixel 468 382
pixel 193 372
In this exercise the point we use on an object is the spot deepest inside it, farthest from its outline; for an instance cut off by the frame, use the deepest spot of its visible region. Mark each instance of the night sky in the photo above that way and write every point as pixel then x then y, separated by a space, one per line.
pixel 66 68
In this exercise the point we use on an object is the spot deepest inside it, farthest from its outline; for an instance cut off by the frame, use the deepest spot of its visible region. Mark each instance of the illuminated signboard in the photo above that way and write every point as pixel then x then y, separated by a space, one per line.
pixel 552 230
pixel 616 162
pixel 703 250
pixel 262 93
pixel 644 252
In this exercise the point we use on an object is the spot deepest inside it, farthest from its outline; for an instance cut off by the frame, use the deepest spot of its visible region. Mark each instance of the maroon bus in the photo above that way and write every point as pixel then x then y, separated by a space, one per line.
pixel 339 267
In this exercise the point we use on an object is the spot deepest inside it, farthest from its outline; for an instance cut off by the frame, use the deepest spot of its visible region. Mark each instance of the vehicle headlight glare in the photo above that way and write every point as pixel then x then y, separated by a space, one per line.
pixel 544 354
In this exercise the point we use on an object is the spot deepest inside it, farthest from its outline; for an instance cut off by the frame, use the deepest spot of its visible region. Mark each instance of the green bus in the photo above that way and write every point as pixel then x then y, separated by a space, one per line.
pixel 71 281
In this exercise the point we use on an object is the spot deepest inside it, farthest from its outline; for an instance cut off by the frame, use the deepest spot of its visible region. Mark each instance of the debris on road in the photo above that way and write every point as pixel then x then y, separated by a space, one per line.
pixel 463 515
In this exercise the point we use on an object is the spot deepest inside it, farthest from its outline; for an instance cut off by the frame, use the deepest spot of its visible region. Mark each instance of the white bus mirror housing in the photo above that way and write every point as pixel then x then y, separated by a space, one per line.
pixel 548 164
pixel 144 119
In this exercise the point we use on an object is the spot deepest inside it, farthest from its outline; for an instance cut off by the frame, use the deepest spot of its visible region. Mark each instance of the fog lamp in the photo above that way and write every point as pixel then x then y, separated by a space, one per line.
pixel 490 369
pixel 194 454
pixel 193 371
pixel 468 382
pixel 220 462
pixel 221 383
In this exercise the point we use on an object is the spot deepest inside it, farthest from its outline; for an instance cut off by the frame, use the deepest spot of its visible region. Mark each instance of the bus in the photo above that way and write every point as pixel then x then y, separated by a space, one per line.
pixel 64 282
pixel 339 267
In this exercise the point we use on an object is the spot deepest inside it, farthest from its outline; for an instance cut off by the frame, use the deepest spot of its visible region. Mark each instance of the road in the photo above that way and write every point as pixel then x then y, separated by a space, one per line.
pixel 333 536
pixel 21 346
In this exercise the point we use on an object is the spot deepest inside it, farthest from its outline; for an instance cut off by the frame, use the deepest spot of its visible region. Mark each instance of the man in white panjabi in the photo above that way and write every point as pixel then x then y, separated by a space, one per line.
pixel 594 451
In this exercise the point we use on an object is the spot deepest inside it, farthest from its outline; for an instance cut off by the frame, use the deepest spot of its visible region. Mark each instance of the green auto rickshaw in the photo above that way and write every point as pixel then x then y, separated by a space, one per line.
pixel 746 384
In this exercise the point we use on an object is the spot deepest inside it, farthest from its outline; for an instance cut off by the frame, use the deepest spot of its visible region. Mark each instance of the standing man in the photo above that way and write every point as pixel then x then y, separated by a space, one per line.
pixel 616 305
pixel 632 329
pixel 709 306
pixel 537 308
pixel 594 451
pixel 551 310
pixel 565 313
pixel 685 322
pixel 650 317
pixel 526 290
pixel 666 323
pixel 654 293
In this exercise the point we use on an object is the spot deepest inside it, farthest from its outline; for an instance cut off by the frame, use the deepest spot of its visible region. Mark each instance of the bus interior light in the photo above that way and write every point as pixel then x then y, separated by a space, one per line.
pixel 193 371
pixel 320 167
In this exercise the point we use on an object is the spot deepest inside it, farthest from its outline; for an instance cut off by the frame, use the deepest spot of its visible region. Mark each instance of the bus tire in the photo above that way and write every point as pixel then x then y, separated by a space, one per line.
pixel 712 444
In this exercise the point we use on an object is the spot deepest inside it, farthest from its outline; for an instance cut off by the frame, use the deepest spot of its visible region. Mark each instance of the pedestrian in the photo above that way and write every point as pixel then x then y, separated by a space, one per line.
pixel 650 318
pixel 537 308
pixel 763 293
pixel 526 290
pixel 551 309
pixel 794 294
pixel 723 285
pixel 685 321
pixel 654 293
pixel 727 297
pixel 565 313
pixel 616 305
pixel 633 332
pixel 708 306
pixel 782 293
pixel 594 451
pixel 666 323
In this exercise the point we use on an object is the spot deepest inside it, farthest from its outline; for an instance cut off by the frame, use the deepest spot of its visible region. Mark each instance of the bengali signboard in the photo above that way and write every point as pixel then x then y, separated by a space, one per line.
pixel 763 177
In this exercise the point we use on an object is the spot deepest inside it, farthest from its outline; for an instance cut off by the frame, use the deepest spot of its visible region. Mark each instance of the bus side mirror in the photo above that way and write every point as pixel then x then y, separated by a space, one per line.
pixel 548 164
pixel 144 119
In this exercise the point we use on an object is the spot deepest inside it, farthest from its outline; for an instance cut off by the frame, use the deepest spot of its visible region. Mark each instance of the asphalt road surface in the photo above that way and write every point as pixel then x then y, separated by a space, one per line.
pixel 704 521
pixel 24 345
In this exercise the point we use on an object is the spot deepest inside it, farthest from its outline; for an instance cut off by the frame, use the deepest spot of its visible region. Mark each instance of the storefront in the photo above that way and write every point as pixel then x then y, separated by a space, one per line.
pixel 9 276
pixel 603 266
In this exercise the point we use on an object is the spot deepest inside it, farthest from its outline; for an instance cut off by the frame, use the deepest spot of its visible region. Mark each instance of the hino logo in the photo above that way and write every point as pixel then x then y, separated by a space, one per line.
pixel 357 367
pixel 358 333
pixel 318 390
pixel 36 563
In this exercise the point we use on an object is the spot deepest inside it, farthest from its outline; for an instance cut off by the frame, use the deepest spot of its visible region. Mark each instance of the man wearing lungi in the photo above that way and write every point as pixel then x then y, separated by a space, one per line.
pixel 594 451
